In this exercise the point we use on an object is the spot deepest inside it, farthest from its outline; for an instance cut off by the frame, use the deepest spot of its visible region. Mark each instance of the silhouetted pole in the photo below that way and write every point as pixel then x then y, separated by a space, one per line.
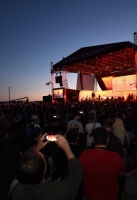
pixel 49 88
pixel 9 94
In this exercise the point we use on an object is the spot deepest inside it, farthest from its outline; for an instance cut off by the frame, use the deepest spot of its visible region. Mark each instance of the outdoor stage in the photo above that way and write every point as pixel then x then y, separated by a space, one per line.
pixel 102 95
pixel 120 86
pixel 113 66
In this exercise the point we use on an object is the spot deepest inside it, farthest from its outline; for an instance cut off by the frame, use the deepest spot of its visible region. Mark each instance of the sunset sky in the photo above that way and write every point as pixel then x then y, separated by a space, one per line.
pixel 34 33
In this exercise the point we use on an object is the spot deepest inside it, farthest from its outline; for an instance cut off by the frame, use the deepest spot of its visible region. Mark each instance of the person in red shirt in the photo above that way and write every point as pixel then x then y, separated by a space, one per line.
pixel 101 169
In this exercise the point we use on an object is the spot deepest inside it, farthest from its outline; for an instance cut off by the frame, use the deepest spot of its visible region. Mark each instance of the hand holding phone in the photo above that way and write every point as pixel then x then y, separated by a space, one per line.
pixel 41 142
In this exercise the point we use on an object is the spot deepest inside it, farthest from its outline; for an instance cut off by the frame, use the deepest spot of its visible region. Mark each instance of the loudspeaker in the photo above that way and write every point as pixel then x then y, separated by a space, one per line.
pixel 47 98
pixel 60 79
pixel 57 79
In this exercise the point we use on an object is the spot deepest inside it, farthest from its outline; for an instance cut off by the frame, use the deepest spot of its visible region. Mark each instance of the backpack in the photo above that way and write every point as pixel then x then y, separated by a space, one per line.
pixel 29 131
pixel 12 187
pixel 92 130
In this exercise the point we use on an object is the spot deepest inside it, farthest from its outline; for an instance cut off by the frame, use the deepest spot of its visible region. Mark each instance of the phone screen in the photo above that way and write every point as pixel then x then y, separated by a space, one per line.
pixel 51 138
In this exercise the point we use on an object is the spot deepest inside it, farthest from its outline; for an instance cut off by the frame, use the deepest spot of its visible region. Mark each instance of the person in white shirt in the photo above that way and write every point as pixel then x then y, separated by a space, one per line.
pixel 89 127
pixel 75 121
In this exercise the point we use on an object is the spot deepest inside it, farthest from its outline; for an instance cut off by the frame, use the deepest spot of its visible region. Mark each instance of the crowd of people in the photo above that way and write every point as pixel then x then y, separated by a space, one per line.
pixel 93 157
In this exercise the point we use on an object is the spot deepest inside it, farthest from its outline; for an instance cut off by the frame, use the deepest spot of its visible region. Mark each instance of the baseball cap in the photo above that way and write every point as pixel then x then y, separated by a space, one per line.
pixel 33 117
pixel 129 108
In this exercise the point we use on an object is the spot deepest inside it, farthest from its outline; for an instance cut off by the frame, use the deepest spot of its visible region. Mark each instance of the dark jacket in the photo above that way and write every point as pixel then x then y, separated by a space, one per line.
pixel 58 190
pixel 115 144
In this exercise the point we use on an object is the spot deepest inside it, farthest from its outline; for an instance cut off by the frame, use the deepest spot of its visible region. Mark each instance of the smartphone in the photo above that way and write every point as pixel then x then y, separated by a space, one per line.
pixel 51 138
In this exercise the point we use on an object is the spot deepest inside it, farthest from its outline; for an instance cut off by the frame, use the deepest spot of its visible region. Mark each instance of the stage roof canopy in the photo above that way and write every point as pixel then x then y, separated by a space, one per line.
pixel 115 59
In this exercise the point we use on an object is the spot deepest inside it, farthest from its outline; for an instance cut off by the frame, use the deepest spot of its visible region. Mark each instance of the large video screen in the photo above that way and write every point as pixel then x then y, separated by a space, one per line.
pixel 124 83
pixel 58 93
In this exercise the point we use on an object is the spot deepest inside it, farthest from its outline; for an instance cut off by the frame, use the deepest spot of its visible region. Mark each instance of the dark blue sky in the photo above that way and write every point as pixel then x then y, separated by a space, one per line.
pixel 34 33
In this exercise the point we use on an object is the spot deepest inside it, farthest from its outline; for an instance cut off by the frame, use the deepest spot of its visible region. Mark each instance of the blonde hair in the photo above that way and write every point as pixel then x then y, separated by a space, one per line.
pixel 119 130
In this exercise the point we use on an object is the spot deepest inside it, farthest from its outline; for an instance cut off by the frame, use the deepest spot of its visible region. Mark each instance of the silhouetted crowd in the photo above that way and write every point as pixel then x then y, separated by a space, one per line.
pixel 94 156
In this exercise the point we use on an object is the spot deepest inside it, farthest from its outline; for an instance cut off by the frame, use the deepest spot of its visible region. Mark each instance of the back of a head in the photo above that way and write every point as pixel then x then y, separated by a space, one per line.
pixel 92 107
pixel 92 116
pixel 76 114
pixel 33 118
pixel 118 123
pixel 71 135
pixel 132 149
pixel 108 123
pixel 119 115
pixel 129 110
pixel 72 114
pixel 98 112
pixel 100 136
pixel 32 167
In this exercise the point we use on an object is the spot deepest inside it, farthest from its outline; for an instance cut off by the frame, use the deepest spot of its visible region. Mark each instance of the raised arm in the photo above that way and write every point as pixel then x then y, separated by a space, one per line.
pixel 63 144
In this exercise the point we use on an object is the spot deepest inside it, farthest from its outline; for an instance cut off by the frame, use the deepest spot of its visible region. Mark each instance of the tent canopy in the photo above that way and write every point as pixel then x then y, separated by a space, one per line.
pixel 115 59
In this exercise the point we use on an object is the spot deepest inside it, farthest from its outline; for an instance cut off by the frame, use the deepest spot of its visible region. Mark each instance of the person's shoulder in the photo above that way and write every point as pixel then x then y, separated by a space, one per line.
pixel 36 125
pixel 88 125
pixel 115 155
pixel 114 137
pixel 79 122
pixel 85 152
pixel 17 191
pixel 98 124
pixel 28 125
pixel 73 160
pixel 71 121
pixel 77 150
